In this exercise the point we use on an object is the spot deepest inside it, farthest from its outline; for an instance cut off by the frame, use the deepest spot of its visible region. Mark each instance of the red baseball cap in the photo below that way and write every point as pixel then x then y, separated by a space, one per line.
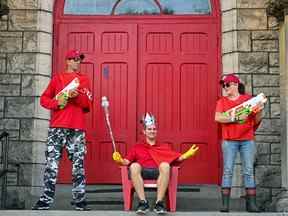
pixel 230 78
pixel 71 54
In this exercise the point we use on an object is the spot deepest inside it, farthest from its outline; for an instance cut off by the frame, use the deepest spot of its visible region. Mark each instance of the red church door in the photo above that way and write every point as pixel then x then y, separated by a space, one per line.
pixel 110 63
pixel 177 77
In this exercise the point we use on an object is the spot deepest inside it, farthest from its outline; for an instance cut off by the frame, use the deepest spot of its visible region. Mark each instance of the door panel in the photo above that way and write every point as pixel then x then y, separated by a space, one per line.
pixel 177 84
pixel 110 63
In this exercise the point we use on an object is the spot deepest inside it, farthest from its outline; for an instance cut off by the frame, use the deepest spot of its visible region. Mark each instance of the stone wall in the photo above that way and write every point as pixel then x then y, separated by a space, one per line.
pixel 250 49
pixel 25 69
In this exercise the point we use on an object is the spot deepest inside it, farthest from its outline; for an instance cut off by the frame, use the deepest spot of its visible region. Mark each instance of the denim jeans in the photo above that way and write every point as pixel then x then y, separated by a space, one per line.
pixel 247 149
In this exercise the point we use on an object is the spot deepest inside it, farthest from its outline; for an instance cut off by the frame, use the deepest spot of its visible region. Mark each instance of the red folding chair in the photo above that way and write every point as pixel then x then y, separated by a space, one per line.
pixel 128 189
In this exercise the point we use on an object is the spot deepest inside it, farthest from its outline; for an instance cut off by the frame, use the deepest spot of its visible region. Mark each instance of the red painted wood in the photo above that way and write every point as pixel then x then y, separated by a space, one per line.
pixel 169 65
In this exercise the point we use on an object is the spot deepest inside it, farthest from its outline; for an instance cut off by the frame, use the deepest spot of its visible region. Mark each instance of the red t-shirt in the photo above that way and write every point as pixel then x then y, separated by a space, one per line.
pixel 236 131
pixel 72 116
pixel 150 156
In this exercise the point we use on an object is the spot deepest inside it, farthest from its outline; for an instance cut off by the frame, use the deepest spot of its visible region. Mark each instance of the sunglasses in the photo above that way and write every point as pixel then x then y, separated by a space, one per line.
pixel 226 85
pixel 151 129
pixel 75 59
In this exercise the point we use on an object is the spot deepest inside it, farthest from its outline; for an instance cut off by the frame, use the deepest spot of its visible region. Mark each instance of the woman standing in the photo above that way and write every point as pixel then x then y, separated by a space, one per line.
pixel 237 135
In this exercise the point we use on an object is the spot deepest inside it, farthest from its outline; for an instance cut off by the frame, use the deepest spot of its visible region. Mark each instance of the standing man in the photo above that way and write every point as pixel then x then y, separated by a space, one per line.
pixel 150 159
pixel 67 129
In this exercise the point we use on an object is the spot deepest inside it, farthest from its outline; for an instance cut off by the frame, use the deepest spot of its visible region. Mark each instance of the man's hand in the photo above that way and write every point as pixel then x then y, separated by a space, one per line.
pixel 62 100
pixel 73 93
pixel 117 157
pixel 191 152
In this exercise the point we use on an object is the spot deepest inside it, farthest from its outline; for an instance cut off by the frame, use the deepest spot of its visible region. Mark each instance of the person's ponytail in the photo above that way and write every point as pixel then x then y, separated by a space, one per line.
pixel 241 88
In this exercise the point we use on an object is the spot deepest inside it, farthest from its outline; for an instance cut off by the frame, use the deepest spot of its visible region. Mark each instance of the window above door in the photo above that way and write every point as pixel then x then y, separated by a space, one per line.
pixel 137 7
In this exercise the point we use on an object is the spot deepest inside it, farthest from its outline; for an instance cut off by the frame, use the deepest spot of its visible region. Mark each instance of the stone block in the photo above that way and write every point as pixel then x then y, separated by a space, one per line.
pixel 274 99
pixel 45 21
pixel 252 3
pixel 34 85
pixel 267 138
pixel 45 42
pixel 2 66
pixel 23 4
pixel 9 90
pixel 274 59
pixel 265 45
pixel 10 79
pixel 230 63
pixel 21 63
pixel 256 62
pixel 10 42
pixel 46 5
pixel 251 19
pixel 23 20
pixel 34 129
pixel 273 23
pixel 229 41
pixel 275 110
pixel 19 107
pixel 3 25
pixel 268 91
pixel 270 126
pixel 265 35
pixel 274 70
pixel 244 41
pixel 229 21
pixel 276 159
pixel 275 148
pixel 247 80
pixel 16 197
pixel 40 112
pixel 44 64
pixel 263 197
pixel 265 80
pixel 227 5
pixel 268 175
pixel 263 153
pixel 9 124
pixel 2 99
pixel 30 42
pixel 37 42
pixel 37 179
pixel 20 146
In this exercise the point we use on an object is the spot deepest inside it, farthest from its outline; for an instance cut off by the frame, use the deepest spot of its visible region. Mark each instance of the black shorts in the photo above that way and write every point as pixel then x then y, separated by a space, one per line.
pixel 149 173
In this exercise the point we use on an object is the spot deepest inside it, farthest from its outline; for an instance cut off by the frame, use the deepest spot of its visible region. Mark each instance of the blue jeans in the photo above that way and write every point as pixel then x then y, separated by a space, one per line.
pixel 247 149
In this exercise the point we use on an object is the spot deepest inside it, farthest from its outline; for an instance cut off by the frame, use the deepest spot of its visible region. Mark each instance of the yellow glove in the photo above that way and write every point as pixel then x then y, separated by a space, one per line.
pixel 117 157
pixel 191 152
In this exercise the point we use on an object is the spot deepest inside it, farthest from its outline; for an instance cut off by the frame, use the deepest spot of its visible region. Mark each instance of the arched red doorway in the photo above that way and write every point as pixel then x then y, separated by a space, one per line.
pixel 164 63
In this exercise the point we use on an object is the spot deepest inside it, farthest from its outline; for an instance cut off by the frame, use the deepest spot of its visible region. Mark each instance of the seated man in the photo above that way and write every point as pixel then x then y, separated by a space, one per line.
pixel 150 160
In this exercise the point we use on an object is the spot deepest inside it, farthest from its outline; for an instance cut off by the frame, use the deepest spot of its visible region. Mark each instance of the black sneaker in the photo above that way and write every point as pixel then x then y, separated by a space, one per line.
pixel 40 205
pixel 81 206
pixel 159 208
pixel 143 207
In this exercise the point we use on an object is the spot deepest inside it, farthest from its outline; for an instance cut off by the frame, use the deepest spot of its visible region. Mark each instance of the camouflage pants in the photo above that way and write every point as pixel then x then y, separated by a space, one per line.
pixel 74 142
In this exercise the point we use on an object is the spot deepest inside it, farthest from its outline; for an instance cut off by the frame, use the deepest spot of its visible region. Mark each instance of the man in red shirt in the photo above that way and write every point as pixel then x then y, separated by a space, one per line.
pixel 67 129
pixel 238 136
pixel 149 160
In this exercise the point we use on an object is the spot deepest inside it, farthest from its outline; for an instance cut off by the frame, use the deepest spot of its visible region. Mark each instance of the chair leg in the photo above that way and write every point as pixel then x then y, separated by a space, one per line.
pixel 172 192
pixel 128 193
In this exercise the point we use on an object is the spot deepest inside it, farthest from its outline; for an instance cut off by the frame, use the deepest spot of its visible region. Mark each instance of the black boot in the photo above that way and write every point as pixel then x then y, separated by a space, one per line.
pixel 225 193
pixel 251 200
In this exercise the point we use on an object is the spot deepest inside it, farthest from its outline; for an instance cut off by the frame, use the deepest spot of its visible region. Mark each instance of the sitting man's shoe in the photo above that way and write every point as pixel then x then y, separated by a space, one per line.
pixel 160 208
pixel 81 206
pixel 40 205
pixel 142 207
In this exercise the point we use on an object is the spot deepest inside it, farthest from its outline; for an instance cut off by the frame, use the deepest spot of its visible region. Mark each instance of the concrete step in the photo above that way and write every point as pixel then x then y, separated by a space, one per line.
pixel 196 198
